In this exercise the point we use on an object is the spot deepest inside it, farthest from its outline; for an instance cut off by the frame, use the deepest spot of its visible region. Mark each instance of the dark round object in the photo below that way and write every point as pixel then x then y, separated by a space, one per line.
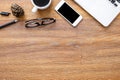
pixel 41 3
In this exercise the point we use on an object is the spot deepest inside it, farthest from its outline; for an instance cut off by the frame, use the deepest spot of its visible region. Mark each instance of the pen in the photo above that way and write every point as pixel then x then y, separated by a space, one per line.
pixel 9 23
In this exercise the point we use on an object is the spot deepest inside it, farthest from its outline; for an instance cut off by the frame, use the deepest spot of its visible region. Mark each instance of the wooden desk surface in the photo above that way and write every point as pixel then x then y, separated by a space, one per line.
pixel 58 51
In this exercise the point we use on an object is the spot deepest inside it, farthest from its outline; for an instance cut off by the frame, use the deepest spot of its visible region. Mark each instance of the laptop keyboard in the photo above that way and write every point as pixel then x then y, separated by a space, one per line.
pixel 115 2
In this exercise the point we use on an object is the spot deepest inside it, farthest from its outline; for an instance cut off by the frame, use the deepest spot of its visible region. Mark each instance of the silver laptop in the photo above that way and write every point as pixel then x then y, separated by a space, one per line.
pixel 103 11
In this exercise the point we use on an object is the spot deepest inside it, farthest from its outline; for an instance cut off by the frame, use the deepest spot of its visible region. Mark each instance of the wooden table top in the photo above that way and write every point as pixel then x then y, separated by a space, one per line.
pixel 58 51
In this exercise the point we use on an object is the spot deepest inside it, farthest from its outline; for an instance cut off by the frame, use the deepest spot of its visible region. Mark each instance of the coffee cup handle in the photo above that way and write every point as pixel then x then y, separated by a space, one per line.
pixel 34 9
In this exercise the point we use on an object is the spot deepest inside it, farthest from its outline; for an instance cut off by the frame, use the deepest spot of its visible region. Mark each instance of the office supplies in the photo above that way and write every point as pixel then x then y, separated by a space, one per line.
pixel 68 13
pixel 39 22
pixel 9 23
pixel 5 13
pixel 103 11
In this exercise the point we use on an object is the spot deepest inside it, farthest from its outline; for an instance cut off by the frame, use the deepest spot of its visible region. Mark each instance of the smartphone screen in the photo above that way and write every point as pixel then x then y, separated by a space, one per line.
pixel 68 13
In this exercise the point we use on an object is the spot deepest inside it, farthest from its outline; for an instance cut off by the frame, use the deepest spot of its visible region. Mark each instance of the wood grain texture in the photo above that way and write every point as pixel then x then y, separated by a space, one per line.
pixel 58 51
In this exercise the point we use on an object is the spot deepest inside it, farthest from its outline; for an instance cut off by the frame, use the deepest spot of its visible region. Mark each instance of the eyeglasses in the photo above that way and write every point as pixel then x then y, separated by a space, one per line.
pixel 39 22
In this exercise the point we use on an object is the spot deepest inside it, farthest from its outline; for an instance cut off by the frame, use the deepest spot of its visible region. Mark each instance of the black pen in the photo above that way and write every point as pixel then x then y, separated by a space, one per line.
pixel 9 23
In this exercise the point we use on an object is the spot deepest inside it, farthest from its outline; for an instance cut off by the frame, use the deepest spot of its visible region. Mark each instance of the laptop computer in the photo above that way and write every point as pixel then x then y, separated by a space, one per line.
pixel 104 11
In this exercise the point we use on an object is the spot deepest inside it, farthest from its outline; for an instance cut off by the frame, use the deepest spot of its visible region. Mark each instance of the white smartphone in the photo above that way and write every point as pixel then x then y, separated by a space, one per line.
pixel 68 13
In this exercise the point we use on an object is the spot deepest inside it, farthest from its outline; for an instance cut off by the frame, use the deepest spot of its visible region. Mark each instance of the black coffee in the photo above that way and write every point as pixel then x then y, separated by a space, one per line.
pixel 41 3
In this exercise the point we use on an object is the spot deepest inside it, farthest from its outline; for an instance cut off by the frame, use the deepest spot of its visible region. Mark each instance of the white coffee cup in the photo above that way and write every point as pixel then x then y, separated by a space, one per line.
pixel 36 7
